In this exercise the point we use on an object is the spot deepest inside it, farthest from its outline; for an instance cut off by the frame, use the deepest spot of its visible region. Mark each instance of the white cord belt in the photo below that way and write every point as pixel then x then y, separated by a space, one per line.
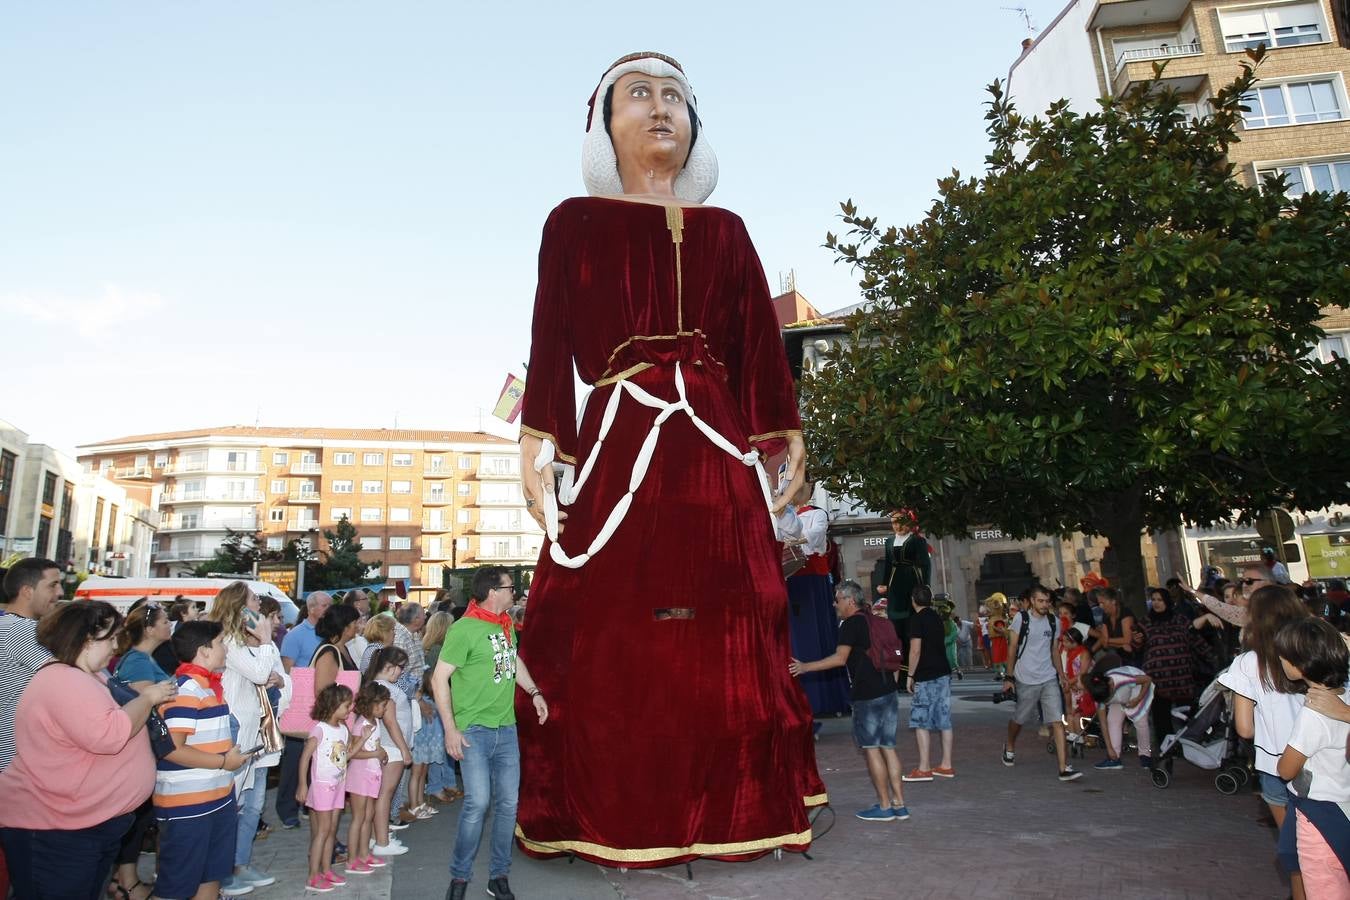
pixel 572 484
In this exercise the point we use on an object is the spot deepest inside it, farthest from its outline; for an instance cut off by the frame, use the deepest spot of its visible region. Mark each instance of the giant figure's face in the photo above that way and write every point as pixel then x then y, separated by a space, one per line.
pixel 649 121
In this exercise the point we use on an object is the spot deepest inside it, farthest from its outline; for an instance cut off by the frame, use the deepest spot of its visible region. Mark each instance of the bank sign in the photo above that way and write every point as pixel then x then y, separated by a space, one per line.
pixel 1328 555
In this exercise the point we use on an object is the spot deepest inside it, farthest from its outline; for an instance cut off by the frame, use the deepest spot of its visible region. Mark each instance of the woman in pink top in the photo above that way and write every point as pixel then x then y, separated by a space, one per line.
pixel 82 764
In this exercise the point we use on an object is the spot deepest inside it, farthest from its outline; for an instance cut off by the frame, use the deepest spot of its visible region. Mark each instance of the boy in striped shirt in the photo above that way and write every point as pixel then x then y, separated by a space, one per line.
pixel 194 789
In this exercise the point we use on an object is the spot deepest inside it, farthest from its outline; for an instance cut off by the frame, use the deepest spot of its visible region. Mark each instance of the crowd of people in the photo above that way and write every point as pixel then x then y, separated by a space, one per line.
pixel 159 728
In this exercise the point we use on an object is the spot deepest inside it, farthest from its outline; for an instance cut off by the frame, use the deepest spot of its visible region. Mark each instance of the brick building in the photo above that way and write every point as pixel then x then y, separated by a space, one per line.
pixel 421 501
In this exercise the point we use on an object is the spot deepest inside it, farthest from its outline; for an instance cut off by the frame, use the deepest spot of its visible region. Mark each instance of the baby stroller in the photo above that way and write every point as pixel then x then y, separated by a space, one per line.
pixel 1205 738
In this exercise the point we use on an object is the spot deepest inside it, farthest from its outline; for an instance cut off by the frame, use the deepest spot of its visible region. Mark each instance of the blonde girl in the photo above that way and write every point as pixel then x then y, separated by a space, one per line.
pixel 322 788
pixel 396 723
pixel 380 634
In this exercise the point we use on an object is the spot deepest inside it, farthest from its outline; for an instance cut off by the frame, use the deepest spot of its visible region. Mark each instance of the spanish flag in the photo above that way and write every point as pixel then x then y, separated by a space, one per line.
pixel 511 399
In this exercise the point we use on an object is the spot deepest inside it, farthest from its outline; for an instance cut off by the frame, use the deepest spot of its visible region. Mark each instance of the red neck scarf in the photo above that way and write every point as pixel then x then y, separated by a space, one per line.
pixel 212 678
pixel 503 619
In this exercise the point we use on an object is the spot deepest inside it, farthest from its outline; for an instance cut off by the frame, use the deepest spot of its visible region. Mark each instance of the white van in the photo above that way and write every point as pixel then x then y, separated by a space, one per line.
pixel 122 592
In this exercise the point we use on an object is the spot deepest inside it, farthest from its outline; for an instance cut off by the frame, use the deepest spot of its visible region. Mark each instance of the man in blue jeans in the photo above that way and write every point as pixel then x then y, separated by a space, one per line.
pixel 478 709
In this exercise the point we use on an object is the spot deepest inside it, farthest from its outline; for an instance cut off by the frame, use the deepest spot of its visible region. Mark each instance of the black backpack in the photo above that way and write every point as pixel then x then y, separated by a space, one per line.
pixel 1026 627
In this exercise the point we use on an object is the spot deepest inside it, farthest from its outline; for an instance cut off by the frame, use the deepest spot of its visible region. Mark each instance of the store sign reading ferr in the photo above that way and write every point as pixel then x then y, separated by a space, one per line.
pixel 987 534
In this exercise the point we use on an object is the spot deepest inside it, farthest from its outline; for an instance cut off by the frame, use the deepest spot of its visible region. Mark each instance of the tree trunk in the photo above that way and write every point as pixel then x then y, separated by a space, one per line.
pixel 1124 530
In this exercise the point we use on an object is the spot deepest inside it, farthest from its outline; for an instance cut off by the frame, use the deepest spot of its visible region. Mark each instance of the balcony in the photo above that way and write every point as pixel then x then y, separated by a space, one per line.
pixel 499 469
pixel 1186 70
pixel 508 554
pixel 1127 13
pixel 438 472
pixel 173 496
pixel 442 527
pixel 130 472
pixel 515 500
pixel 179 523
pixel 438 498
pixel 208 468
pixel 304 497
pixel 516 526
pixel 191 553
pixel 306 468
pixel 1162 51
pixel 302 525
pixel 430 554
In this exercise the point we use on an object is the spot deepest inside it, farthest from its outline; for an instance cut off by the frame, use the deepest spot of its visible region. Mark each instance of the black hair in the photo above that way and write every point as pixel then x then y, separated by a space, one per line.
pixel 385 656
pixel 334 621
pixel 190 637
pixel 484 580
pixel 328 700
pixel 922 595
pixel 371 693
pixel 26 573
pixel 66 631
pixel 607 110
pixel 1316 649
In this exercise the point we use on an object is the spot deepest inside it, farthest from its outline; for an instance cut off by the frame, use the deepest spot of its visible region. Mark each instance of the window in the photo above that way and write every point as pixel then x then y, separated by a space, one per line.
pixel 372 459
pixel 104 465
pixel 280 459
pixel 142 460
pixel 462 545
pixel 342 487
pixel 276 515
pixel 463 489
pixel 400 514
pixel 401 459
pixel 275 543
pixel 400 487
pixel 188 520
pixel 1334 347
pixel 344 459
pixel 400 543
pixel 462 516
pixel 161 460
pixel 466 462
pixel 373 572
pixel 371 514
pixel 434 520
pixel 372 543
pixel 1287 25
pixel 278 486
pixel 341 512
pixel 505 493
pixel 400 571
pixel 1330 176
pixel 372 487
pixel 1292 103
pixel 49 490
pixel 435 463
pixel 432 548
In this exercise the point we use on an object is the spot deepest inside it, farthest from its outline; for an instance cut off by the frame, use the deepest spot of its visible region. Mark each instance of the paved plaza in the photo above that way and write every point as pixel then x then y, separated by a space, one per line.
pixel 993 832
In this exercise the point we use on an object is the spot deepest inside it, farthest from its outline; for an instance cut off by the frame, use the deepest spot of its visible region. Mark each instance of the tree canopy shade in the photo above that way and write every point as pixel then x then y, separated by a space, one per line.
pixel 1106 332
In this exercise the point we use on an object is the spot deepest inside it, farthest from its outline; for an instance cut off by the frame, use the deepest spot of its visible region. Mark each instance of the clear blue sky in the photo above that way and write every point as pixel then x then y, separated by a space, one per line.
pixel 328 212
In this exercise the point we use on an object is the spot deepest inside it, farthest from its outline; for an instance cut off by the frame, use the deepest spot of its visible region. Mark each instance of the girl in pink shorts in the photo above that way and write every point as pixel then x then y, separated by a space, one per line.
pixel 365 763
pixel 322 788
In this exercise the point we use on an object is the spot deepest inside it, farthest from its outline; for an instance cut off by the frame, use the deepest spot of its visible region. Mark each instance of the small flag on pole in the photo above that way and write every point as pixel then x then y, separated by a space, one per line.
pixel 511 399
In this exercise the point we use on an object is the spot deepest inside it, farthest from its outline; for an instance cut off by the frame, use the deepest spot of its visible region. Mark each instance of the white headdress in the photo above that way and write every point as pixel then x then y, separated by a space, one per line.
pixel 600 166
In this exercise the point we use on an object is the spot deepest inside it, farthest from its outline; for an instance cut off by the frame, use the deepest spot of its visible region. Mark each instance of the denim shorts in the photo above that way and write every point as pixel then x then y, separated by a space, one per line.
pixel 1273 790
pixel 931 709
pixel 875 721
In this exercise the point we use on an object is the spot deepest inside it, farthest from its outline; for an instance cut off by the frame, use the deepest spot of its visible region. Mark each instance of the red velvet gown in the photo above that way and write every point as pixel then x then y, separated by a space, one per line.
pixel 670 736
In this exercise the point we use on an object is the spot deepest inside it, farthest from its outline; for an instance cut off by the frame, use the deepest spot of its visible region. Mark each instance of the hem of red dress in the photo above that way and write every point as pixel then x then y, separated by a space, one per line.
pixel 655 857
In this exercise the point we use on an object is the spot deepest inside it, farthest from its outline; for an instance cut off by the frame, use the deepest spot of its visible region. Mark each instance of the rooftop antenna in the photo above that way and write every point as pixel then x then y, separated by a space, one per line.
pixel 1026 18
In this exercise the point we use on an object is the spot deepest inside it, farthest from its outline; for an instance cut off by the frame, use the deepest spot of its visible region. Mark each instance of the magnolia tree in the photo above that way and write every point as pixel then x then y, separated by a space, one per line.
pixel 1105 333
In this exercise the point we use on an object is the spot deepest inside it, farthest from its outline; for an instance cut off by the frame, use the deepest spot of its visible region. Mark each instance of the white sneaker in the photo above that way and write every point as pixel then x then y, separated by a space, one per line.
pixel 399 826
pixel 390 849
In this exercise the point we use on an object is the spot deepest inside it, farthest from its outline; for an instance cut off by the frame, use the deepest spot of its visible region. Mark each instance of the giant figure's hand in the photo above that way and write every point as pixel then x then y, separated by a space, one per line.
pixel 536 483
pixel 796 471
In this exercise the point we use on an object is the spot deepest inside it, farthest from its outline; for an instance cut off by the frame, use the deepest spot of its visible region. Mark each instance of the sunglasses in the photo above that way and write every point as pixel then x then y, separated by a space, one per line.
pixel 1251 581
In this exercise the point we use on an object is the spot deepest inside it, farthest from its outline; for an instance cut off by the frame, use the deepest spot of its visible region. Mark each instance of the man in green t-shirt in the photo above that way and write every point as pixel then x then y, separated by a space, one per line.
pixel 479 714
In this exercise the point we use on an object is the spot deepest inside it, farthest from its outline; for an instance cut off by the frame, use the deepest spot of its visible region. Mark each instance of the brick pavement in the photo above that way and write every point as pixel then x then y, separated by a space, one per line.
pixel 993 832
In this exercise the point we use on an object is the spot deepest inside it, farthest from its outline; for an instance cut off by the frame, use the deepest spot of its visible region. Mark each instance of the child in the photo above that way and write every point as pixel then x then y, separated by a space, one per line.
pixel 1312 651
pixel 365 759
pixel 998 634
pixel 194 787
pixel 428 748
pixel 1121 692
pixel 1076 660
pixel 323 772
pixel 385 668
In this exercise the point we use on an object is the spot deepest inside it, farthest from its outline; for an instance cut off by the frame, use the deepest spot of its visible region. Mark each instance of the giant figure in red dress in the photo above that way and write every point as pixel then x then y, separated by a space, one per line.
pixel 658 615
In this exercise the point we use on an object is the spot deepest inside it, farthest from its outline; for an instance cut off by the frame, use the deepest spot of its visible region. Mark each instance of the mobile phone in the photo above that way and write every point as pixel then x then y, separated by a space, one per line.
pixel 251 618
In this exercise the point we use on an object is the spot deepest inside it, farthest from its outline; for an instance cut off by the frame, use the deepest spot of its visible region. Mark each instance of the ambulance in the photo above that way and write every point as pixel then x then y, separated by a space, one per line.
pixel 122 592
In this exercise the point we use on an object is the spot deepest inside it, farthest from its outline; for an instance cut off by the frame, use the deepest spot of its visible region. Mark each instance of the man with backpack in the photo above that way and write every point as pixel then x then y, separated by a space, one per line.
pixel 1038 677
pixel 869 649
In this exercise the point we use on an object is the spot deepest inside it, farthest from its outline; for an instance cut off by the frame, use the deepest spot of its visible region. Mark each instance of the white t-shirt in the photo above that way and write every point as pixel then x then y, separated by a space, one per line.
pixel 1326 774
pixel 1035 665
pixel 1275 712
pixel 330 757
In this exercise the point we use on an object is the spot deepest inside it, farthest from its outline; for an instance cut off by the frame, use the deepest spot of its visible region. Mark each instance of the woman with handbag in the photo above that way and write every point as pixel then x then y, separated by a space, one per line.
pixel 145 629
pixel 83 764
pixel 252 665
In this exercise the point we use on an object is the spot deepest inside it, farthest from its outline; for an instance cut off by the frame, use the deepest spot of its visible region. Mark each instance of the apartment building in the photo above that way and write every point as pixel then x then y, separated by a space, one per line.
pixel 421 501
pixel 1298 121
pixel 50 507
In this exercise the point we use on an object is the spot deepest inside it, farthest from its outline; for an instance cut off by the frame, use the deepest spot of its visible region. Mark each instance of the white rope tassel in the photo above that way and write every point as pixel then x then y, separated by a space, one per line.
pixel 572 489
